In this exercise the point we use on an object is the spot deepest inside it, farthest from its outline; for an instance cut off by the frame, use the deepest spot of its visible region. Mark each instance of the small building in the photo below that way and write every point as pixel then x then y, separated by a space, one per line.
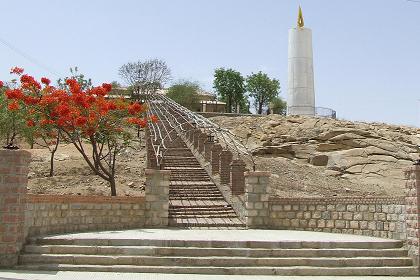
pixel 212 106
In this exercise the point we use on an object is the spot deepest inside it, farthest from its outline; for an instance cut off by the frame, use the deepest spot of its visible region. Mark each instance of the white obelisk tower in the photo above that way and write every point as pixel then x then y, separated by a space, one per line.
pixel 301 95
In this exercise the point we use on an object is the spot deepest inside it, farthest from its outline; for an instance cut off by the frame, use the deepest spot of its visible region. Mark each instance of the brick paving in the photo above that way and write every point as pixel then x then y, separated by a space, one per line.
pixel 194 200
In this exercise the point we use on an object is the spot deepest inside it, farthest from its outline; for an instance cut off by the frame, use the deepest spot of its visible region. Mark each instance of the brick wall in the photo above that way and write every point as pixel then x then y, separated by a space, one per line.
pixel 13 182
pixel 65 213
pixel 412 204
pixel 380 217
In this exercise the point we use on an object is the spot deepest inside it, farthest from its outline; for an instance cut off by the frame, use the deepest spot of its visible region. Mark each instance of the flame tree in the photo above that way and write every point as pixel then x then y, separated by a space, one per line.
pixel 83 117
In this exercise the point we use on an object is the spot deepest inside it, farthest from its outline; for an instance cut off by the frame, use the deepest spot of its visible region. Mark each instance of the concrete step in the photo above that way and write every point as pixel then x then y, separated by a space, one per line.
pixel 287 271
pixel 208 222
pixel 388 244
pixel 197 252
pixel 219 261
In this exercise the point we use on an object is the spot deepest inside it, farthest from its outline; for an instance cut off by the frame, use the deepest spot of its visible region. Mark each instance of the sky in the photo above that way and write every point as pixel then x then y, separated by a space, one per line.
pixel 366 52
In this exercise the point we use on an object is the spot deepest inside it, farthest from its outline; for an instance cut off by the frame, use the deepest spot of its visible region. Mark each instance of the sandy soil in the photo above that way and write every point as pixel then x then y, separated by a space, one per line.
pixel 73 176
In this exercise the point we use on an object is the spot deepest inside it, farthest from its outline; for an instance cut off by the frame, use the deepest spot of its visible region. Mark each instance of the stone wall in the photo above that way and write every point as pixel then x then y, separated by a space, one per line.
pixel 380 217
pixel 65 213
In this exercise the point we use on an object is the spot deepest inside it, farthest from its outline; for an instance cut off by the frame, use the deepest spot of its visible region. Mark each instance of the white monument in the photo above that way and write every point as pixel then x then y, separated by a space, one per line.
pixel 301 95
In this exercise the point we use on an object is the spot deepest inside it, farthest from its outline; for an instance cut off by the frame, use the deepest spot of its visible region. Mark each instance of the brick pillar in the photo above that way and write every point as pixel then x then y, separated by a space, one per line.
pixel 412 206
pixel 224 166
pixel 14 167
pixel 157 198
pixel 215 156
pixel 201 140
pixel 256 199
pixel 237 171
pixel 150 153
pixel 208 145
pixel 197 134
pixel 191 135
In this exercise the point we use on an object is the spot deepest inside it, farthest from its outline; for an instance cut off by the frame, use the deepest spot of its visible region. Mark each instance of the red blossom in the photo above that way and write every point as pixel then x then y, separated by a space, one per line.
pixel 45 81
pixel 134 108
pixel 14 94
pixel 30 123
pixel 107 87
pixel 154 118
pixel 13 106
pixel 80 121
pixel 1 84
pixel 16 70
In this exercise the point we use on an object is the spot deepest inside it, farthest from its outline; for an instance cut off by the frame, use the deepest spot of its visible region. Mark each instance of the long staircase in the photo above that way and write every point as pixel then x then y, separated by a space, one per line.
pixel 194 200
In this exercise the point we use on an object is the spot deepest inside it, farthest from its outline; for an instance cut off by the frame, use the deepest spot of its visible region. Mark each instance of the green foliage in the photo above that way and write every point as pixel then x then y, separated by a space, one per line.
pixel 13 123
pixel 278 106
pixel 262 89
pixel 230 87
pixel 186 94
pixel 80 78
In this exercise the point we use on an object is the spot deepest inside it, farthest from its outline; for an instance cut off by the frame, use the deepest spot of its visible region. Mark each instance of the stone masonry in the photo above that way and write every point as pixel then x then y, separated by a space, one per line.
pixel 412 200
pixel 380 217
pixel 215 158
pixel 224 166
pixel 13 183
pixel 256 198
pixel 157 197
pixel 47 214
pixel 237 173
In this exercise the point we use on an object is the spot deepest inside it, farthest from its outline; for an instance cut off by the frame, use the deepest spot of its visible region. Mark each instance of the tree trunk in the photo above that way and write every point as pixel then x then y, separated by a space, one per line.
pixel 52 163
pixel 113 186
pixel 260 108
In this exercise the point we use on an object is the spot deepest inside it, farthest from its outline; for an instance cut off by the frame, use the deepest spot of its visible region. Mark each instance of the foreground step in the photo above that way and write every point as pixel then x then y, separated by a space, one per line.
pixel 196 251
pixel 295 271
pixel 219 261
pixel 221 243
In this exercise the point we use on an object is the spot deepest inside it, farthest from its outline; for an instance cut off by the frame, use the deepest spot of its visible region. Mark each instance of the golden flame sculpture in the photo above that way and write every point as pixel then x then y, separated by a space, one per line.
pixel 300 22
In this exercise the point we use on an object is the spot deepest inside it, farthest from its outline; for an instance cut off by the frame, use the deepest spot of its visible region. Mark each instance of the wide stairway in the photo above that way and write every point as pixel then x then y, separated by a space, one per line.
pixel 251 252
pixel 194 200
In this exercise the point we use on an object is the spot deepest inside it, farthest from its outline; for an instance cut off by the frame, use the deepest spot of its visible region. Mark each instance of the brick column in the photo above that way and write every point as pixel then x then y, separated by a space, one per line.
pixel 157 198
pixel 14 167
pixel 191 135
pixel 201 140
pixel 215 156
pixel 256 198
pixel 208 145
pixel 197 134
pixel 237 173
pixel 150 153
pixel 412 206
pixel 224 166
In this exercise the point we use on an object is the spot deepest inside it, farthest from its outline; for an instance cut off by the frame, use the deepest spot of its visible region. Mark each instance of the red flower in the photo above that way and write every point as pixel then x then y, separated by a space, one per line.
pixel 45 81
pixel 80 121
pixel 107 87
pixel 154 118
pixel 14 94
pixel 13 106
pixel 98 91
pixel 134 108
pixel 1 84
pixel 30 123
pixel 16 70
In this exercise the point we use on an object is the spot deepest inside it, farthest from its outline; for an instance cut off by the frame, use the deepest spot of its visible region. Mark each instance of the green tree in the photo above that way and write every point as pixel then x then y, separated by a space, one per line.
pixel 230 87
pixel 262 89
pixel 186 94
pixel 278 106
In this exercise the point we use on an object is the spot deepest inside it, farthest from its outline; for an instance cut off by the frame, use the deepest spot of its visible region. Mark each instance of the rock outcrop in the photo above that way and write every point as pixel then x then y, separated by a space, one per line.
pixel 362 153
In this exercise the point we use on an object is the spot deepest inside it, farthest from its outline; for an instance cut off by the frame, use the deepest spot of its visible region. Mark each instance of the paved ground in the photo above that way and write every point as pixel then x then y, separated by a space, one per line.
pixel 227 235
pixel 63 275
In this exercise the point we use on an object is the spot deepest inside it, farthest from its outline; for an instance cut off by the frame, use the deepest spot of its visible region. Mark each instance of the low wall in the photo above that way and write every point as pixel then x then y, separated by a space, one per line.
pixel 379 216
pixel 65 213
pixel 217 114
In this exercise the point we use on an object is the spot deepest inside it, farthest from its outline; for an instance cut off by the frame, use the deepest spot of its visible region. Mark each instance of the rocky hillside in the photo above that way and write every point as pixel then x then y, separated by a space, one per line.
pixel 324 157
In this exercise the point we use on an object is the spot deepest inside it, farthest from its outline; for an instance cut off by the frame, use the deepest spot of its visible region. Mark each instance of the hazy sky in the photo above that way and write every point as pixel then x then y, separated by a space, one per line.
pixel 366 52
